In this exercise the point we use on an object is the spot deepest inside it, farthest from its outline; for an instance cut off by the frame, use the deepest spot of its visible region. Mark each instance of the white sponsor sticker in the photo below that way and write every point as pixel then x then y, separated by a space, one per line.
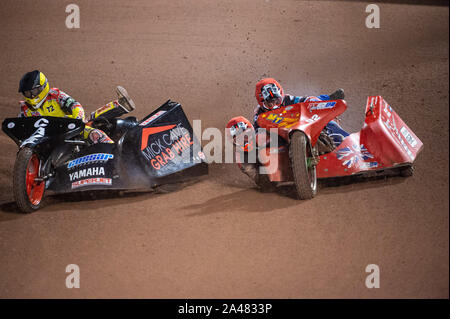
pixel 87 172
pixel 40 132
pixel 321 106
pixel 92 181
pixel 395 133
pixel 314 118
pixel 385 109
pixel 368 165
pixel 411 140
pixel 153 117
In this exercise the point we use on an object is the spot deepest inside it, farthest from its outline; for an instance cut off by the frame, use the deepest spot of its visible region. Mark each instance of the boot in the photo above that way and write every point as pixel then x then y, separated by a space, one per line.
pixel 250 170
pixel 337 95
pixel 124 99
pixel 325 143
pixel 261 180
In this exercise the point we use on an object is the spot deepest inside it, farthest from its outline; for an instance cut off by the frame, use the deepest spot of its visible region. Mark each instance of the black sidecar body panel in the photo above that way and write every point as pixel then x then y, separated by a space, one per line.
pixel 158 150
pixel 39 130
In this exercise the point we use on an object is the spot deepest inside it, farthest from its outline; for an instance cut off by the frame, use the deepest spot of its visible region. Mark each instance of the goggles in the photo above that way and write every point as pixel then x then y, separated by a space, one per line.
pixel 271 95
pixel 272 102
pixel 35 91
pixel 238 128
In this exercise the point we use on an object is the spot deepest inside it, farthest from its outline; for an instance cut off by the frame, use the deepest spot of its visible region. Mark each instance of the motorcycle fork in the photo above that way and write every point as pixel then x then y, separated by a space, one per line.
pixel 42 176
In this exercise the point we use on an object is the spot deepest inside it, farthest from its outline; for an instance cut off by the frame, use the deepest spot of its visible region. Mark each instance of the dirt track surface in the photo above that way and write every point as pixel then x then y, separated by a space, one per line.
pixel 221 238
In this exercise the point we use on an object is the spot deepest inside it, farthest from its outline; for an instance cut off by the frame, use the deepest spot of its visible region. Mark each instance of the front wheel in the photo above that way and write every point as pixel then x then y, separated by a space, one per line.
pixel 28 191
pixel 303 167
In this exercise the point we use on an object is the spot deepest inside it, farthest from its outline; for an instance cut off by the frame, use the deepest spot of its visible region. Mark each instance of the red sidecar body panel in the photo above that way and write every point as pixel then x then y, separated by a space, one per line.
pixel 384 142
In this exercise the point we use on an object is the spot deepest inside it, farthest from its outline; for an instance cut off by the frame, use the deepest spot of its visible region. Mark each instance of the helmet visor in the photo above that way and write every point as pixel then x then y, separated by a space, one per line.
pixel 33 92
pixel 273 102
pixel 271 95
pixel 241 133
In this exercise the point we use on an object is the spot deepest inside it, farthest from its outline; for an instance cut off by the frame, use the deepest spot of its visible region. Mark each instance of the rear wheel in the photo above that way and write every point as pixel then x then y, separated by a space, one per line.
pixel 28 192
pixel 303 167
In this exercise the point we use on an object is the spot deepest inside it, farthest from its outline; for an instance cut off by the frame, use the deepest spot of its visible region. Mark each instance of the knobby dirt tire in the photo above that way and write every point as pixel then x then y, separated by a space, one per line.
pixel 28 193
pixel 305 177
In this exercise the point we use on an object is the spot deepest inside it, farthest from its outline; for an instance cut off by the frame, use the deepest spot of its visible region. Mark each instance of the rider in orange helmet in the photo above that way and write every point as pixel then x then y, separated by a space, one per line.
pixel 270 96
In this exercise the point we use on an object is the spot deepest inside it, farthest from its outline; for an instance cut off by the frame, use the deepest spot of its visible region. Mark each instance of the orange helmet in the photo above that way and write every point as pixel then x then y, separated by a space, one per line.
pixel 269 93
pixel 235 127
pixel 238 125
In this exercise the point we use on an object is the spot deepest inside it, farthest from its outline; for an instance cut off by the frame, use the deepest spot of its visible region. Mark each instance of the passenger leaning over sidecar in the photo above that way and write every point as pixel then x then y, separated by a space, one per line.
pixel 41 100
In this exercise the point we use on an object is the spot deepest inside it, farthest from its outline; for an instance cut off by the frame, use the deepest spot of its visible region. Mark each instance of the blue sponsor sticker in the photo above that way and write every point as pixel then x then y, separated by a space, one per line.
pixel 97 157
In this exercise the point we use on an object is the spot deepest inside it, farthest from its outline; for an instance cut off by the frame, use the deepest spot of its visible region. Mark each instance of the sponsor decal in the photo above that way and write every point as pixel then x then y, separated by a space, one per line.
pixel 387 109
pixel 92 181
pixel 146 132
pixel 354 155
pixel 313 118
pixel 39 133
pixel 11 125
pixel 92 158
pixel 408 137
pixel 103 109
pixel 321 106
pixel 392 127
pixel 368 165
pixel 92 171
pixel 288 122
pixel 167 147
pixel 275 118
pixel 153 117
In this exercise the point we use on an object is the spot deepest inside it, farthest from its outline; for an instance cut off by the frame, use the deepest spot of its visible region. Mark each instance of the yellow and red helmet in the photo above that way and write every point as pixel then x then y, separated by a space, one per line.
pixel 34 87
pixel 269 93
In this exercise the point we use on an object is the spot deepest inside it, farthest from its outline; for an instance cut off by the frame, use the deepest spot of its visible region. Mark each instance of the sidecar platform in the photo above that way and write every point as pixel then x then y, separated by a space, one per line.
pixel 385 143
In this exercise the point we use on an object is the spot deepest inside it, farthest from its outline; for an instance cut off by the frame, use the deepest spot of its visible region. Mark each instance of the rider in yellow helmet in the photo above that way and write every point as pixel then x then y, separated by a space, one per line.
pixel 41 100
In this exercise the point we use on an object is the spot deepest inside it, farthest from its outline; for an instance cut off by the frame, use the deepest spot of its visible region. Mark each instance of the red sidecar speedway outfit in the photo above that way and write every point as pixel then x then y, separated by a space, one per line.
pixel 268 90
pixel 59 104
